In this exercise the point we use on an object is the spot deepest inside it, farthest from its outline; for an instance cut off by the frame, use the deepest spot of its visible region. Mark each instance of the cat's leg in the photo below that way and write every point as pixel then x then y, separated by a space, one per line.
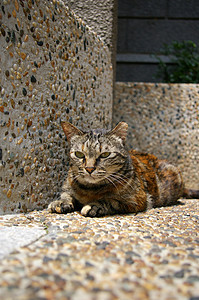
pixel 102 208
pixel 93 210
pixel 63 205
pixel 111 207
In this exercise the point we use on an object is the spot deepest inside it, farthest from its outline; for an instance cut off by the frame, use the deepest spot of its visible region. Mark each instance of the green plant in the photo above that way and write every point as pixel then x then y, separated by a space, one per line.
pixel 184 66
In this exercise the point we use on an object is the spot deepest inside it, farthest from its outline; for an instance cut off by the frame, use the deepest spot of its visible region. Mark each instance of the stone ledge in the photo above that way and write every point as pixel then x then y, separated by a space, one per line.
pixel 145 256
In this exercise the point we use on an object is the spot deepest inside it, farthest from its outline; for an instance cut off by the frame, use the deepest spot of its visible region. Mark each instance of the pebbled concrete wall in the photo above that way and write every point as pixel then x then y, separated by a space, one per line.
pixel 101 16
pixel 163 120
pixel 52 67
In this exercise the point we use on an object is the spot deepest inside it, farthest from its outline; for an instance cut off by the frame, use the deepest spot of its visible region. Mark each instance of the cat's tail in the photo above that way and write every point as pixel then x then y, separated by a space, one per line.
pixel 190 194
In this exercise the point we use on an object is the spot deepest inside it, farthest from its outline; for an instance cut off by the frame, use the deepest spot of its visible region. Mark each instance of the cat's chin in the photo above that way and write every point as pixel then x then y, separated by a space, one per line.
pixel 89 179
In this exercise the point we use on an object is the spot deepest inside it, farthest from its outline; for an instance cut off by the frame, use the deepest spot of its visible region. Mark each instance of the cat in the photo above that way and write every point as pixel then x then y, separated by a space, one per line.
pixel 105 179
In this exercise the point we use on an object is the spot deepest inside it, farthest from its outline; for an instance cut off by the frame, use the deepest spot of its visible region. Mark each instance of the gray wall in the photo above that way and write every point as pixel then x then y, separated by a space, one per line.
pixel 52 68
pixel 143 27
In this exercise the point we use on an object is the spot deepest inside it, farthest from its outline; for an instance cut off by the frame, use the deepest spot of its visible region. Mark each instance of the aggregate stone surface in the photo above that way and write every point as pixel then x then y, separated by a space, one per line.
pixel 151 255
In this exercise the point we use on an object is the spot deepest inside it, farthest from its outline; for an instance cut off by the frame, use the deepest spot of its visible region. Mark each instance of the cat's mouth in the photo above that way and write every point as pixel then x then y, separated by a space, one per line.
pixel 90 178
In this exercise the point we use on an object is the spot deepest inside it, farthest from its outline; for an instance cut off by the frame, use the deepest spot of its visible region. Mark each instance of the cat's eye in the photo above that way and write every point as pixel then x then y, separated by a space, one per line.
pixel 79 154
pixel 105 154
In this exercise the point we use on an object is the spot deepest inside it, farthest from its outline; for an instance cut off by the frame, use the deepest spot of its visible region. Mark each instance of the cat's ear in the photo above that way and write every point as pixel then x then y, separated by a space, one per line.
pixel 70 130
pixel 120 131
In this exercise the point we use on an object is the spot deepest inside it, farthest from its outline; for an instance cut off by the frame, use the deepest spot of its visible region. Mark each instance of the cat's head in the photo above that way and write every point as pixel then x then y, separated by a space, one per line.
pixel 98 155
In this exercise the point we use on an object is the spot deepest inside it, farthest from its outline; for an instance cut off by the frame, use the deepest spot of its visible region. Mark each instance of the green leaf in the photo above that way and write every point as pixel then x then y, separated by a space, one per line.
pixel 185 59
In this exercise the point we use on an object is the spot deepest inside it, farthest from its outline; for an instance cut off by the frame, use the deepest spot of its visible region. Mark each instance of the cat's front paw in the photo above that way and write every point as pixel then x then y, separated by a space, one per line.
pixel 93 210
pixel 60 207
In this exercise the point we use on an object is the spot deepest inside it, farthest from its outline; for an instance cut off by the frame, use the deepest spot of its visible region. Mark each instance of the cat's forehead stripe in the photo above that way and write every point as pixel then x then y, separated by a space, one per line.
pixel 92 143
pixel 95 135
pixel 93 138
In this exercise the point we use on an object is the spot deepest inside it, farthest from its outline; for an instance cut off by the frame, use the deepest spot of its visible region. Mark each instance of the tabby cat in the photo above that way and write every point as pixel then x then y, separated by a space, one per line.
pixel 105 179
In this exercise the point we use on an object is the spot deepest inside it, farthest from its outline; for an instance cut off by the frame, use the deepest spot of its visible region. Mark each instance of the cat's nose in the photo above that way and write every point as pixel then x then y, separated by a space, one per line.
pixel 90 169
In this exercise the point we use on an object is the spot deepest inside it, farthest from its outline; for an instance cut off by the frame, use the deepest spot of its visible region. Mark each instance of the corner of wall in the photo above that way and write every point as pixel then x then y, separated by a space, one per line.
pixel 52 67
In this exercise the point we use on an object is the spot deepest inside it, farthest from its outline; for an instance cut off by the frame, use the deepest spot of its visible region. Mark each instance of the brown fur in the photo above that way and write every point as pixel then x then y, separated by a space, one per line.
pixel 104 178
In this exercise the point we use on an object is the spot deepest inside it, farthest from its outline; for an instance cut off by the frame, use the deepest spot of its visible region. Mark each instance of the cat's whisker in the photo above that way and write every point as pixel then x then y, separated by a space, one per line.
pixel 108 178
pixel 116 185
pixel 116 179
pixel 123 174
pixel 123 179
pixel 76 177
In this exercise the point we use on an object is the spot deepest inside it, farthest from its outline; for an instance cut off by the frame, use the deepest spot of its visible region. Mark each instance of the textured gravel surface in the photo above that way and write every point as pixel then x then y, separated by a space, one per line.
pixel 151 255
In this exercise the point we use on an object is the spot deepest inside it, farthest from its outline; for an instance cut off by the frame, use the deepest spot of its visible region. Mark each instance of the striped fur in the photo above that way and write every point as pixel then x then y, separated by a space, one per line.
pixel 105 179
